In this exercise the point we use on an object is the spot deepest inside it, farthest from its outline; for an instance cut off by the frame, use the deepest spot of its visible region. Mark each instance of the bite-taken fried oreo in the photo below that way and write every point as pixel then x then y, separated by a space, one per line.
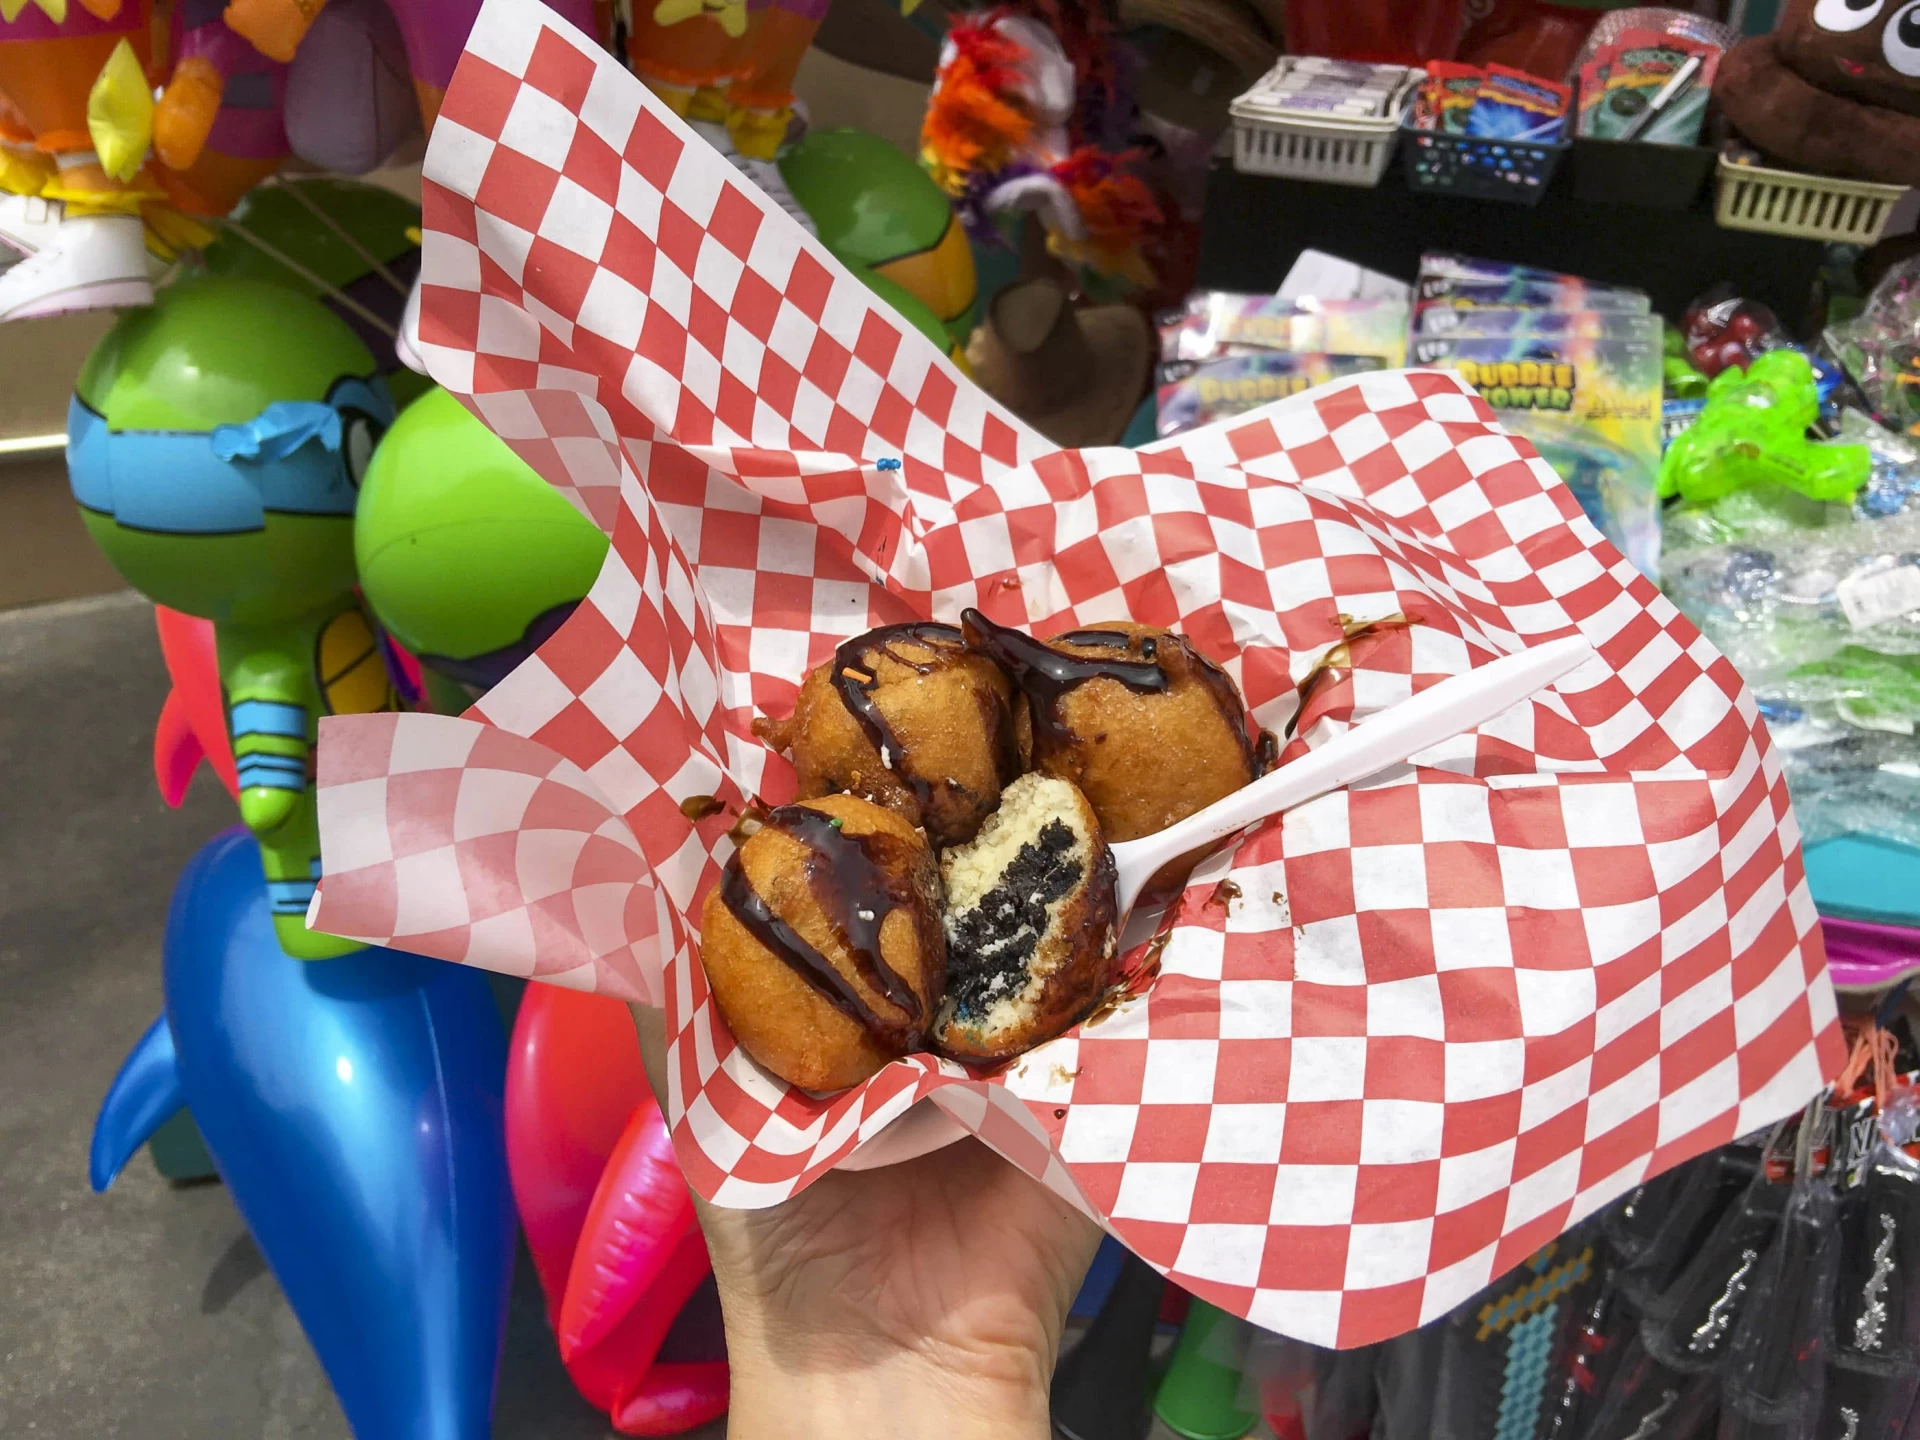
pixel 1030 923
pixel 1149 729
pixel 910 718
pixel 823 941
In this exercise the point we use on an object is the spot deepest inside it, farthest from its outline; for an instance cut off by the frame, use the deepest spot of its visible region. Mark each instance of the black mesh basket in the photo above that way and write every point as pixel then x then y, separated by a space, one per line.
pixel 1516 171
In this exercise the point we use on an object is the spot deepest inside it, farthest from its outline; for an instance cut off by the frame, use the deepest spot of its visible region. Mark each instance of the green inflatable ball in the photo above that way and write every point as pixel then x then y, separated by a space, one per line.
pixel 215 442
pixel 466 555
pixel 878 210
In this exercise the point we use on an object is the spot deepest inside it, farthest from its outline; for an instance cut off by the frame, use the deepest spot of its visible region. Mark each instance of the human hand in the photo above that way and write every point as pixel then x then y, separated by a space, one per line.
pixel 922 1299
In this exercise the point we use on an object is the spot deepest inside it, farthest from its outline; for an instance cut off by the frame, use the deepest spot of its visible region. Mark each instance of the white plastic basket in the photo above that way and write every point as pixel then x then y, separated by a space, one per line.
pixel 1806 207
pixel 1269 141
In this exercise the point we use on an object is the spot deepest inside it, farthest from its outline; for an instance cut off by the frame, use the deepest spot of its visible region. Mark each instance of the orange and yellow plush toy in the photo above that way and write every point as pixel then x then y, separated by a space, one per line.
pixel 73 140
pixel 97 167
pixel 728 62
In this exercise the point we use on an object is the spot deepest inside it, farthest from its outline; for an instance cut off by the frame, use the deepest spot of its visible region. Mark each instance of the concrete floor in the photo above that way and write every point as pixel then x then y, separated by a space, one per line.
pixel 145 1311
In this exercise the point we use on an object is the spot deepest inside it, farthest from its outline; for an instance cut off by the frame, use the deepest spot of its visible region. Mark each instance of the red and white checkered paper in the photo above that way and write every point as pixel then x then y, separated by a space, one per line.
pixel 1454 1009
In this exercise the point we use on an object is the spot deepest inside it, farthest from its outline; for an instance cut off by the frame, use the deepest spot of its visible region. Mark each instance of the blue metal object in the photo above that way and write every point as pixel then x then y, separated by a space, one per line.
pixel 355 1109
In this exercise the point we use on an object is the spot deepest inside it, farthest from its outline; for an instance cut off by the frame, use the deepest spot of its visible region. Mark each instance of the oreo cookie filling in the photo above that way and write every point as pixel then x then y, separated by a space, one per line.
pixel 990 948
pixel 1030 925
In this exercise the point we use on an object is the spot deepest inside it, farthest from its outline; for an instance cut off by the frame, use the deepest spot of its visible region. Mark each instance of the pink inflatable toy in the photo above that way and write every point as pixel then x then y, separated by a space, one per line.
pixel 606 1213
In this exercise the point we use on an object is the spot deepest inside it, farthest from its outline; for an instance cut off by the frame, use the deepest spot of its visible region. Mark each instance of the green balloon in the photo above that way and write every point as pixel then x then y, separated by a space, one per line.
pixel 870 202
pixel 882 215
pixel 215 352
pixel 212 352
pixel 262 577
pixel 364 223
pixel 367 216
pixel 462 547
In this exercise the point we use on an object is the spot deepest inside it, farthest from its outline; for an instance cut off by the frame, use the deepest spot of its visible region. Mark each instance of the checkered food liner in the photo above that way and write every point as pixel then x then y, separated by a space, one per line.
pixel 1451 1011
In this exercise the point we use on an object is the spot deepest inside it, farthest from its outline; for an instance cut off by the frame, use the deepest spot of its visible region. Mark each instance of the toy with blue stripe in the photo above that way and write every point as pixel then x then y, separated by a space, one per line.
pixel 215 444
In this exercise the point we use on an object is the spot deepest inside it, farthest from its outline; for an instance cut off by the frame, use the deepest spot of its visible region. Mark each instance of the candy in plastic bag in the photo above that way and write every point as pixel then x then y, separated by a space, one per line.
pixel 1893 485
pixel 1880 347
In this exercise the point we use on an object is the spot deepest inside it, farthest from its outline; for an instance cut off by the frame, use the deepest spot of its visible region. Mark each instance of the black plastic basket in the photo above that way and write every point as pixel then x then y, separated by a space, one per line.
pixel 1635 172
pixel 1516 171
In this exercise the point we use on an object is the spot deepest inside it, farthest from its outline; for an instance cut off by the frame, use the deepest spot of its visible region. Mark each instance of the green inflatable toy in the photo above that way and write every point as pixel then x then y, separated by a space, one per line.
pixel 215 444
pixel 1753 431
pixel 882 216
pixel 468 557
pixel 352 246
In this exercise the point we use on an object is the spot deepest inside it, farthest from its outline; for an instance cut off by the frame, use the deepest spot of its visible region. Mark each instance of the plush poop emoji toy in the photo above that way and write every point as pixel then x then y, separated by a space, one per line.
pixel 1834 89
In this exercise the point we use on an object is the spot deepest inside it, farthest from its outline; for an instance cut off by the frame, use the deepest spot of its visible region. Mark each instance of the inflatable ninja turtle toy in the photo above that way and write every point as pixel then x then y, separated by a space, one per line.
pixel 883 217
pixel 215 444
pixel 467 556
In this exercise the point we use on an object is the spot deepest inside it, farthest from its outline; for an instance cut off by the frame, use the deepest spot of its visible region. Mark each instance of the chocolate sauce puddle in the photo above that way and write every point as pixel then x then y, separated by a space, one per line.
pixel 850 880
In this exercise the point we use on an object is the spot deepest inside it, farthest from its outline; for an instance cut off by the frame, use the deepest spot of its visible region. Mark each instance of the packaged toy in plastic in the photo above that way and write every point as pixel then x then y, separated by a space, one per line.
pixel 1513 105
pixel 1727 331
pixel 1824 624
pixel 1496 102
pixel 1495 282
pixel 1445 98
pixel 1880 347
pixel 1217 323
pixel 1647 85
pixel 1527 320
pixel 1468 295
pixel 1199 392
pixel 1893 481
pixel 1753 432
pixel 1592 406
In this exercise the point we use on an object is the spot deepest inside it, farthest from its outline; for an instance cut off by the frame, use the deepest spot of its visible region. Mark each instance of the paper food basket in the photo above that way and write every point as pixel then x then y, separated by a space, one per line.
pixel 1456 1008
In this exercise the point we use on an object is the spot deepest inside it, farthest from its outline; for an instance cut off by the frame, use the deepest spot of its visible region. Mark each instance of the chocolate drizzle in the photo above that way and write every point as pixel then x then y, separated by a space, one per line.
pixel 857 880
pixel 1047 675
pixel 1266 752
pixel 855 681
pixel 1339 657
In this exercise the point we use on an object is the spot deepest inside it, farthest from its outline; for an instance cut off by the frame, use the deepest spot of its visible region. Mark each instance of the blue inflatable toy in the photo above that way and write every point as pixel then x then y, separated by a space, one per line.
pixel 354 1107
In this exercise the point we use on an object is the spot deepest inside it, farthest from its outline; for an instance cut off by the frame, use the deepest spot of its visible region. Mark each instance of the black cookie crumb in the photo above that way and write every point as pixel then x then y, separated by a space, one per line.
pixel 990 946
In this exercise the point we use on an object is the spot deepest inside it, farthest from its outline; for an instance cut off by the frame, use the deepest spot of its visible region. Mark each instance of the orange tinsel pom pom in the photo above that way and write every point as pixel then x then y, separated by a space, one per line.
pixel 1116 206
pixel 976 119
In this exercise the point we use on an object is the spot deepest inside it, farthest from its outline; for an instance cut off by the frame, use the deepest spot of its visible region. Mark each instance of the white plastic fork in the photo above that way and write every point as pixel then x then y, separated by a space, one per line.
pixel 1439 712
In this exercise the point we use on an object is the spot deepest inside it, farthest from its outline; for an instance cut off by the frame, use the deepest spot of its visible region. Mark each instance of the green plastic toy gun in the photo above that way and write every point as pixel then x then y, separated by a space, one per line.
pixel 1754 431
